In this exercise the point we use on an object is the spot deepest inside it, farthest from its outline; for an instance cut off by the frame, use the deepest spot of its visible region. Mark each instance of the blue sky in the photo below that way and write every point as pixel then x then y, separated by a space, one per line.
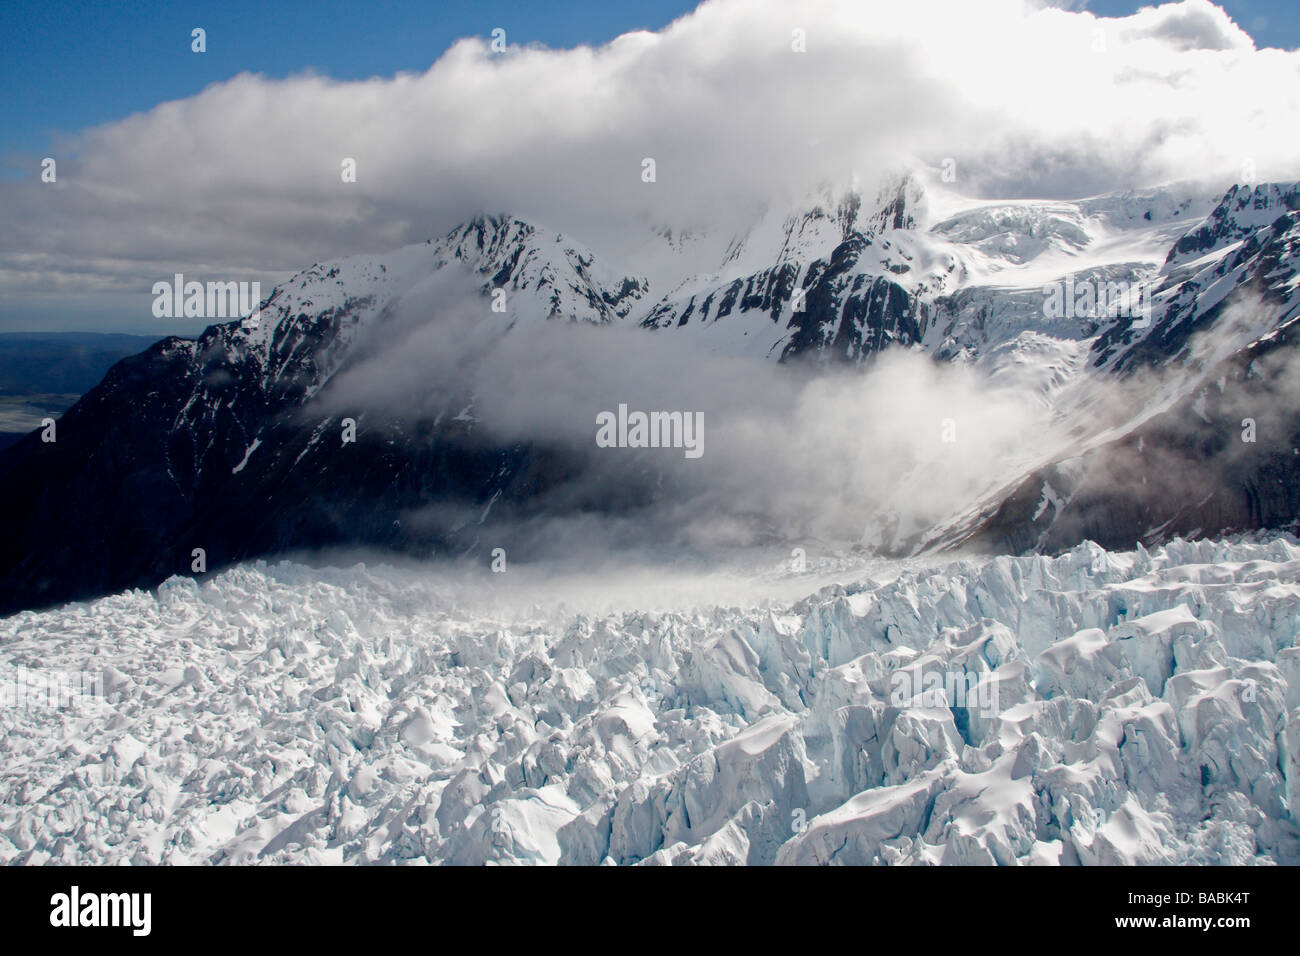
pixel 67 65
pixel 1273 23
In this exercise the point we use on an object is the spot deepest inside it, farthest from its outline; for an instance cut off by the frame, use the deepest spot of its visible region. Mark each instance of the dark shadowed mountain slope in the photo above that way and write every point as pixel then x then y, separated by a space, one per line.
pixel 234 443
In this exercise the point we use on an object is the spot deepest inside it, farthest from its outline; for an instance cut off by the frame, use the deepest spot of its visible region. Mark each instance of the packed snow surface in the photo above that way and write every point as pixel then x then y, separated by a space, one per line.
pixel 1095 708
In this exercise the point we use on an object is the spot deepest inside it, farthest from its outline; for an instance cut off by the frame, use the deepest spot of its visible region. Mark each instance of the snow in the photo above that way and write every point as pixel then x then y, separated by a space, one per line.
pixel 973 271
pixel 1127 708
pixel 247 454
pixel 1133 708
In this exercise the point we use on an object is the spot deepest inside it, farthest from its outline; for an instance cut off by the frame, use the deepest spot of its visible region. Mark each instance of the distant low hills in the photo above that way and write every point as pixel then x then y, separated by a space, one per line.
pixel 43 373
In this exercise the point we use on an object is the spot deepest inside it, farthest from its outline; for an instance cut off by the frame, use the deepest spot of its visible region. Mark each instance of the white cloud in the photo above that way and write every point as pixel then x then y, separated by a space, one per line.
pixel 800 453
pixel 1192 25
pixel 243 179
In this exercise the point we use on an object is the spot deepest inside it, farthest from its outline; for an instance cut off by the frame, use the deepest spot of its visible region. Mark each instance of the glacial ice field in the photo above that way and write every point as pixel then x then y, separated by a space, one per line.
pixel 1093 708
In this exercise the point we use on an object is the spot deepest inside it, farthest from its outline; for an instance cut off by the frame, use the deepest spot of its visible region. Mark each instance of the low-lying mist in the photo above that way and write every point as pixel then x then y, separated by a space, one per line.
pixel 821 457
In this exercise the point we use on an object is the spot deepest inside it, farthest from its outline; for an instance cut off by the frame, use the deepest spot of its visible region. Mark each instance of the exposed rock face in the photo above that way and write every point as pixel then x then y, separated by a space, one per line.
pixel 230 443
pixel 220 443
pixel 1222 460
pixel 1225 456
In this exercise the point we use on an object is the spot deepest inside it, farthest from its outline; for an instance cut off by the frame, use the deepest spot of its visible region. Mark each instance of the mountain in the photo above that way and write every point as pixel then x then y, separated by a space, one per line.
pixel 1217 449
pixel 232 444
pixel 203 443
pixel 837 282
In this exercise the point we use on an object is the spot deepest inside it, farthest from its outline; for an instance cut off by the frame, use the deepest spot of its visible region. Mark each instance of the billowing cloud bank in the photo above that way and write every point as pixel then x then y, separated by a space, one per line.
pixel 244 179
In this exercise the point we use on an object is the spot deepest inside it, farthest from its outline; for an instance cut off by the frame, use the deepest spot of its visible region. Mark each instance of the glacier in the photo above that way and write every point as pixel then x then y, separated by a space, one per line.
pixel 1128 708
